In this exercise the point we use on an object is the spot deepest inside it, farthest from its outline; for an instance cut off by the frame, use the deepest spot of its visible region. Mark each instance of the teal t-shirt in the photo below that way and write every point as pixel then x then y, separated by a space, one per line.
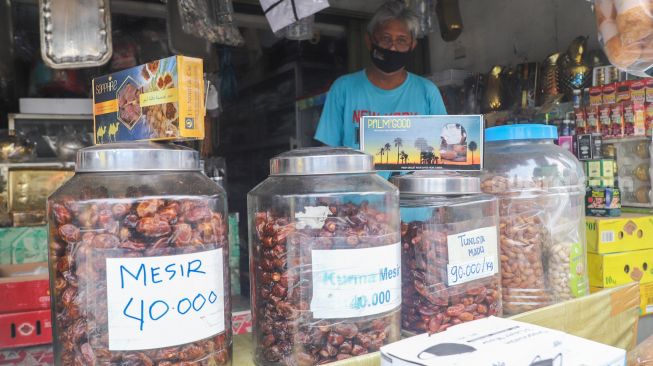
pixel 353 96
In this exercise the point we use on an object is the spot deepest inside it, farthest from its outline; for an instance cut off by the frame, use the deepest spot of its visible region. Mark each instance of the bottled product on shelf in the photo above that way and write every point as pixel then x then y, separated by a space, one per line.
pixel 325 258
pixel 541 189
pixel 139 260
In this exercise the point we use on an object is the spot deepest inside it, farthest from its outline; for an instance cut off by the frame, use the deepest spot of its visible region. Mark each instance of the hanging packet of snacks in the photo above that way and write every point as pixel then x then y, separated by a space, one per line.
pixel 281 13
pixel 626 33
pixel 210 20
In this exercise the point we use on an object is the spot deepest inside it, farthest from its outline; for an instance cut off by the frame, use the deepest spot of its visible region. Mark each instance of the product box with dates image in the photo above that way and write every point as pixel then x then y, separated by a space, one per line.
pixel 405 142
pixel 494 341
pixel 161 100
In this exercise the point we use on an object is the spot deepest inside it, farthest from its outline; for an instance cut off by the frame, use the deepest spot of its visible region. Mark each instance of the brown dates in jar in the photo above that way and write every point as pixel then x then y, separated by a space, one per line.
pixel 428 304
pixel 88 228
pixel 285 331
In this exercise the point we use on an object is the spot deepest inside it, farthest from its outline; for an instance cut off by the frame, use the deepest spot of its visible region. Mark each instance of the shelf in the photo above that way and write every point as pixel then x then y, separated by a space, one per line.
pixel 626 138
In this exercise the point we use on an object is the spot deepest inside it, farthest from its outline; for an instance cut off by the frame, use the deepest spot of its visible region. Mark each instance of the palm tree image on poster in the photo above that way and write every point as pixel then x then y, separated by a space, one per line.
pixel 424 142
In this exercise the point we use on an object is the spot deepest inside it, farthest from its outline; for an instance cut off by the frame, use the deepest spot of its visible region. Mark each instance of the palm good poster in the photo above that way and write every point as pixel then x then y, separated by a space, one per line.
pixel 423 142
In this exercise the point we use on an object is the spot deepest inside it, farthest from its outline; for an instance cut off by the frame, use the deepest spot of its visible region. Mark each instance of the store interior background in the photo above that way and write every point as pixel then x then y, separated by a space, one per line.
pixel 262 81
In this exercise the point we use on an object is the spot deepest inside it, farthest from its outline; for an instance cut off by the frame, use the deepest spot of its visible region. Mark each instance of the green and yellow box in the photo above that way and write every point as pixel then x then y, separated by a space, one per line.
pixel 20 245
pixel 614 269
pixel 601 168
pixel 629 232
pixel 161 100
pixel 601 182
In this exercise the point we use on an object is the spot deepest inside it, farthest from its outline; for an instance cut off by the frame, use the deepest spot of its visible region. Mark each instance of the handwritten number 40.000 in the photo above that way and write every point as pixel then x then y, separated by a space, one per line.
pixel 159 308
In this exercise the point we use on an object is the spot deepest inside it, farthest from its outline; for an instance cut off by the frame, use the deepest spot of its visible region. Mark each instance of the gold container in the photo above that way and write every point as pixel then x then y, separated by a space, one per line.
pixel 642 149
pixel 641 172
pixel 28 189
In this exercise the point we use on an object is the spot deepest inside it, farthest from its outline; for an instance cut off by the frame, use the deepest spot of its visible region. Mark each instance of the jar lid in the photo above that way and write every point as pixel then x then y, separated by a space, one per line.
pixel 136 156
pixel 321 160
pixel 442 183
pixel 520 132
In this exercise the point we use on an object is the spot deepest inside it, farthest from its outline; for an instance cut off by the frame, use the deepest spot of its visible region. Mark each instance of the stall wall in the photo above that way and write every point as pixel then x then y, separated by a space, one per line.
pixel 508 32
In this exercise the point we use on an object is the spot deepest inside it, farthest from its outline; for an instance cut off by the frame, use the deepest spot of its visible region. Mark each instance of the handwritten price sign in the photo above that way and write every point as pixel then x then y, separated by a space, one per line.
pixel 165 301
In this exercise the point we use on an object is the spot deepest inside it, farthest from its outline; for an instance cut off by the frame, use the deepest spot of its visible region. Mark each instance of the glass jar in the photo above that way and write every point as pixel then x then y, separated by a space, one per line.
pixel 139 260
pixel 541 190
pixel 325 258
pixel 449 252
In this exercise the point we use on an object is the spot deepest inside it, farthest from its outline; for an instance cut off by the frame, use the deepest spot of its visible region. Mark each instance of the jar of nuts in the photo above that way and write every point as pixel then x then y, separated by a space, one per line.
pixel 541 188
pixel 139 260
pixel 449 252
pixel 325 258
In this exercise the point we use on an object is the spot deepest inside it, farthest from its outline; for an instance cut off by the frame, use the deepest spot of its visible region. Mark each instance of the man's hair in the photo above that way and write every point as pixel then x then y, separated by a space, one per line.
pixel 394 10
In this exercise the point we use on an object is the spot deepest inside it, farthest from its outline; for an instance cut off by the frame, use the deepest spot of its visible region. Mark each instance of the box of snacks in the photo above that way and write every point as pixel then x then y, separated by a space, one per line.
pixel 161 100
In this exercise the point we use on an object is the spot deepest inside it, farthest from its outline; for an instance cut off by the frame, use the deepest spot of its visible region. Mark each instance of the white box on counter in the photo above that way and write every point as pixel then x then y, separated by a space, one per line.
pixel 495 341
pixel 56 106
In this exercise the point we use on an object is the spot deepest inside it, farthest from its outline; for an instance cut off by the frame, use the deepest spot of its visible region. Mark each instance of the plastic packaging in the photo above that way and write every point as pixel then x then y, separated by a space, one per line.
pixel 642 355
pixel 281 13
pixel 626 33
pixel 541 190
pixel 325 258
pixel 139 260
pixel 634 171
pixel 450 261
pixel 74 39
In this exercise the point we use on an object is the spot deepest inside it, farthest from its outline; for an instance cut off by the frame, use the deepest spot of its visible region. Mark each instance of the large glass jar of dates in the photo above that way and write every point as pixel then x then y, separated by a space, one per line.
pixel 139 260
pixel 541 190
pixel 325 258
pixel 449 257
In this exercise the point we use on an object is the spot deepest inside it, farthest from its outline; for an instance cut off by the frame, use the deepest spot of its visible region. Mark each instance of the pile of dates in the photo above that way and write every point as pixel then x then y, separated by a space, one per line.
pixel 86 229
pixel 285 331
pixel 428 304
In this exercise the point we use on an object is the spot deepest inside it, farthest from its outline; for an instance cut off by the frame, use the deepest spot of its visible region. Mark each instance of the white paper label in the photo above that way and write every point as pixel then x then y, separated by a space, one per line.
pixel 472 255
pixel 312 217
pixel 165 301
pixel 351 283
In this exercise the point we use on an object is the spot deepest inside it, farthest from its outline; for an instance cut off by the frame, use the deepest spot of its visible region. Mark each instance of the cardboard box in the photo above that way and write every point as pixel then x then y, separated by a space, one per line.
pixel 453 142
pixel 24 329
pixel 600 168
pixel 619 234
pixel 638 91
pixel 596 96
pixel 623 91
pixel 20 292
pixel 609 93
pixel 593 119
pixel 23 245
pixel 162 100
pixel 28 356
pixel 495 341
pixel 645 294
pixel 602 183
pixel 602 201
pixel 614 269
pixel 605 120
pixel 567 143
pixel 649 89
pixel 617 120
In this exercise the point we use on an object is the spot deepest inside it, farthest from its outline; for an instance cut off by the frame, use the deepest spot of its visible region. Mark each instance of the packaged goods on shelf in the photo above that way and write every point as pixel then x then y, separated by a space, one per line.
pixel 29 328
pixel 23 245
pixel 625 233
pixel 600 168
pixel 614 269
pixel 596 96
pixel 161 100
pixel 589 146
pixel 496 341
pixel 633 166
pixel 32 356
pixel 602 182
pixel 602 201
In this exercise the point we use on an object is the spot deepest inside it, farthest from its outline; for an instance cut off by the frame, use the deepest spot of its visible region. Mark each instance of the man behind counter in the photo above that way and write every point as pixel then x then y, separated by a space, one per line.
pixel 385 88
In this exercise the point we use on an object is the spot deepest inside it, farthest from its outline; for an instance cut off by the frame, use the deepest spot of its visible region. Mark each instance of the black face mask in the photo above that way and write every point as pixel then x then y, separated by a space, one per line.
pixel 388 61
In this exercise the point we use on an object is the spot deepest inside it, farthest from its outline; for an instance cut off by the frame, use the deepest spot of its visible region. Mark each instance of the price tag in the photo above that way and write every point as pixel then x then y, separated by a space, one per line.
pixel 472 255
pixel 351 283
pixel 157 302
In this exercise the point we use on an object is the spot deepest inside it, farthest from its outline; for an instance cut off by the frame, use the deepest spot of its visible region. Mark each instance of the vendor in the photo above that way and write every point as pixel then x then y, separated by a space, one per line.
pixel 385 88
